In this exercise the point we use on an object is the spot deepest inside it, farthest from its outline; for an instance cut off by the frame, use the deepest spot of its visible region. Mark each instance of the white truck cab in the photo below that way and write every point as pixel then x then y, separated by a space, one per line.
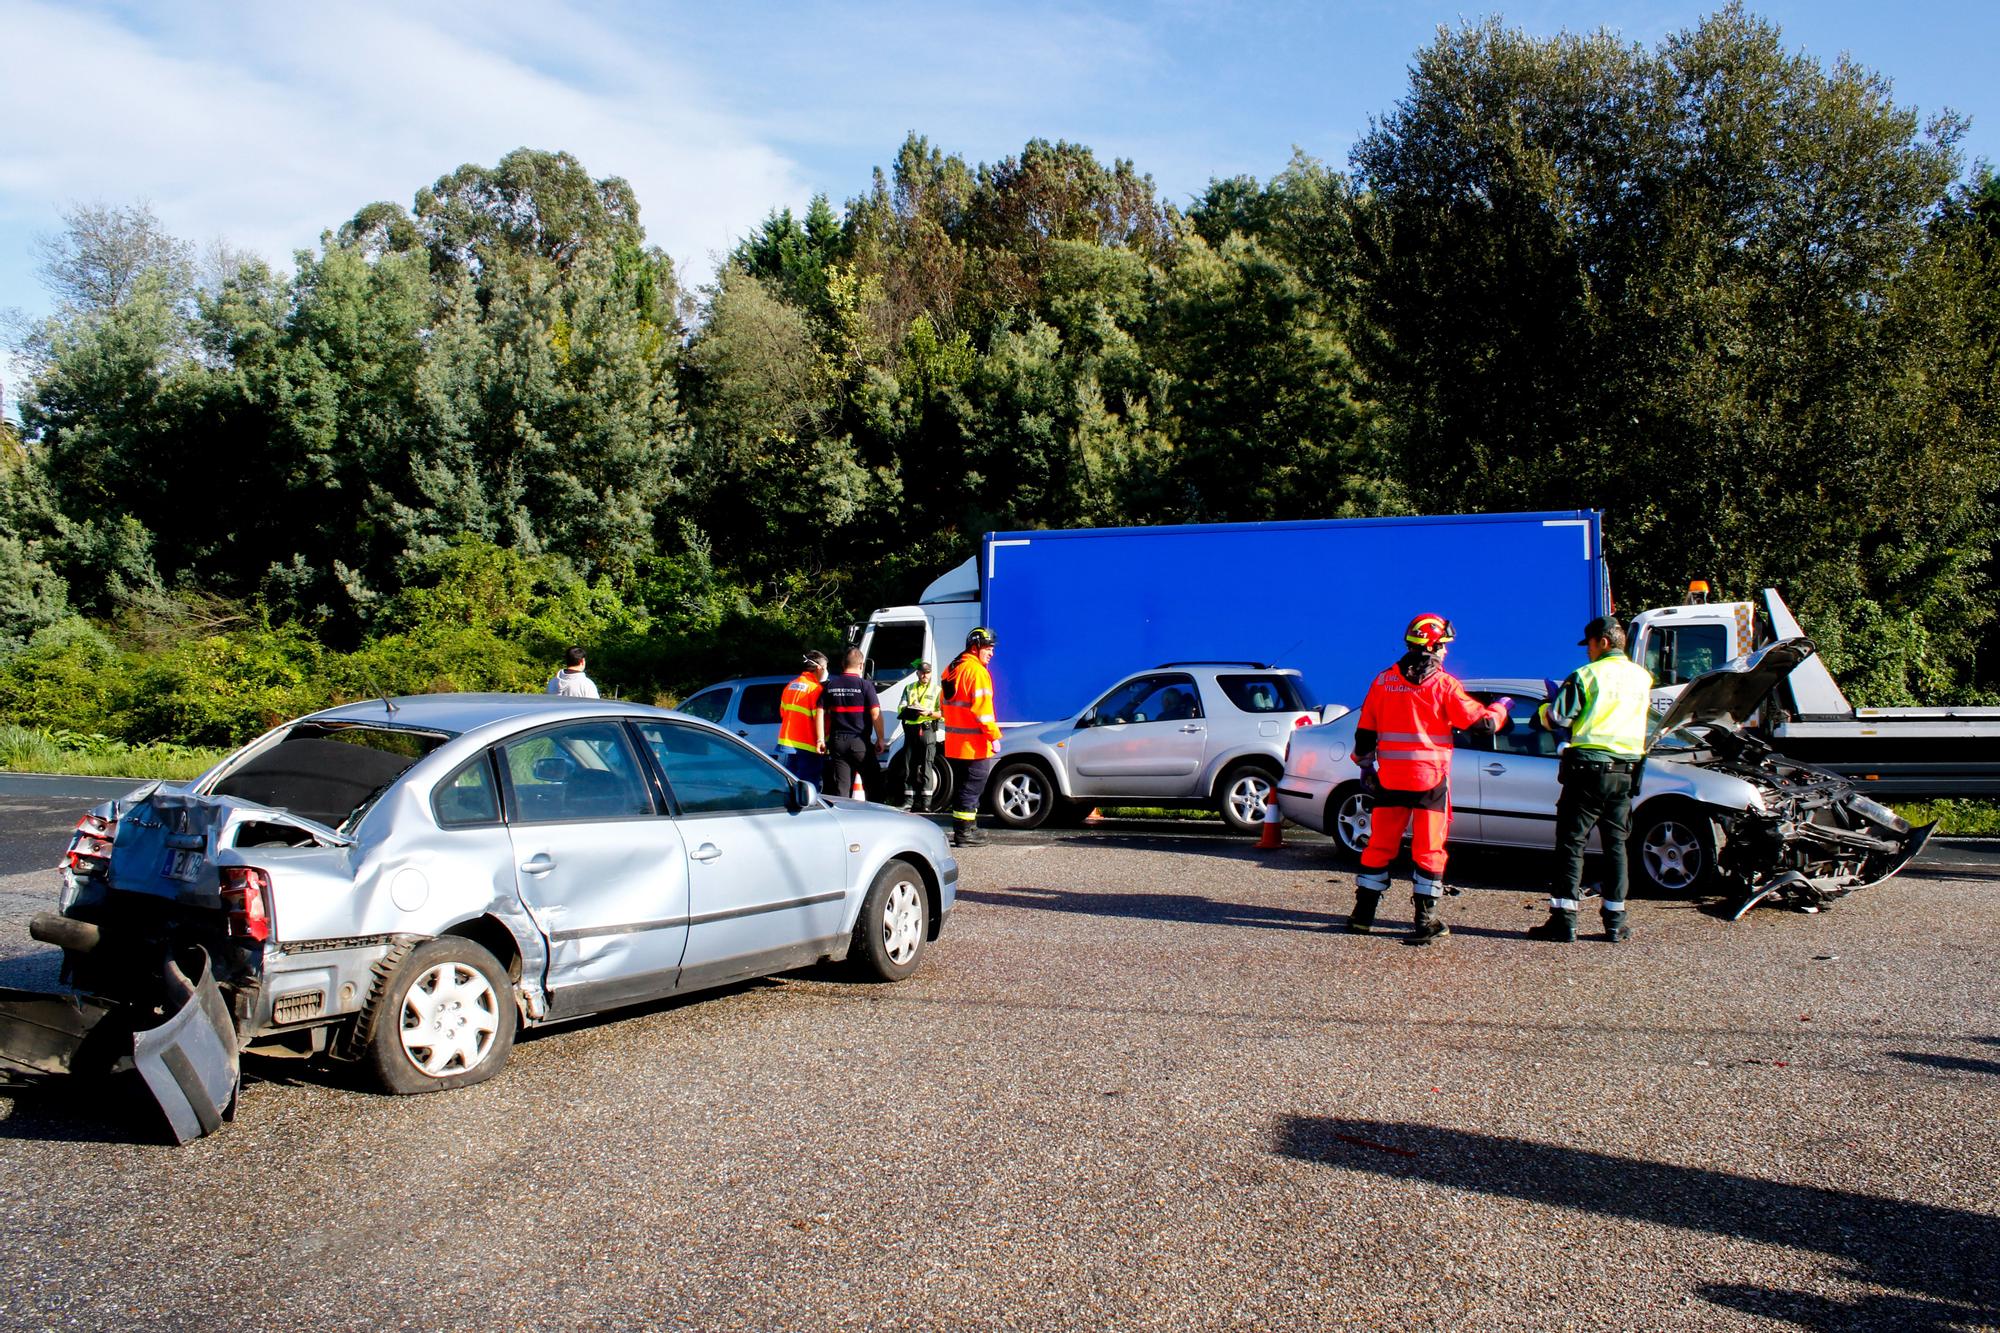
pixel 1899 752
pixel 933 631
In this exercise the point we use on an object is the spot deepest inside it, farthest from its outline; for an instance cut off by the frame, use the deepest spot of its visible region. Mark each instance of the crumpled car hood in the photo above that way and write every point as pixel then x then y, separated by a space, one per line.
pixel 1728 695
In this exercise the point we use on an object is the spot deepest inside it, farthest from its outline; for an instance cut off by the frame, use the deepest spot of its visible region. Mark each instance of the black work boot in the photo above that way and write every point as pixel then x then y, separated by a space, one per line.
pixel 1560 928
pixel 965 833
pixel 1362 919
pixel 1429 925
pixel 1615 929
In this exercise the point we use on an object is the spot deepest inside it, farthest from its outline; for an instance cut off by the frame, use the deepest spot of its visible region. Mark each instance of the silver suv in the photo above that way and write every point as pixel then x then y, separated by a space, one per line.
pixel 1194 734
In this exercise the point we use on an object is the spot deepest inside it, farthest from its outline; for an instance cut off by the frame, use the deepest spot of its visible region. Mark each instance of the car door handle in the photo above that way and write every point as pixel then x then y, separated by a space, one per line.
pixel 708 851
pixel 541 863
pixel 1496 768
pixel 743 733
pixel 1194 728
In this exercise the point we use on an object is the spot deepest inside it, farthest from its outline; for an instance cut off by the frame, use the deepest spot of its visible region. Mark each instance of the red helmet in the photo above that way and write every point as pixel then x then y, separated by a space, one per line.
pixel 1428 631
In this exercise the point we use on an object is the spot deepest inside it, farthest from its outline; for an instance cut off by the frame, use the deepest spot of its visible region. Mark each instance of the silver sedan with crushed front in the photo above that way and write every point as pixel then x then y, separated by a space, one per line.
pixel 407 882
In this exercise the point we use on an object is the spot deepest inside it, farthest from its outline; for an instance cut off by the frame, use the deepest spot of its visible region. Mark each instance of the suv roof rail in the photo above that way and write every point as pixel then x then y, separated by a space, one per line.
pixel 1208 661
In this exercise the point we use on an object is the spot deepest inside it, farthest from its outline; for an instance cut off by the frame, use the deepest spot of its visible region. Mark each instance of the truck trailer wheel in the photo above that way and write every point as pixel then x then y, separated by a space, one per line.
pixel 446 1019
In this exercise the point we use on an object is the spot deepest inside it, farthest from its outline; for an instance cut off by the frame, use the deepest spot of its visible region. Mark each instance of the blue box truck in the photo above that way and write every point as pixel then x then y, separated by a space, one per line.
pixel 1076 610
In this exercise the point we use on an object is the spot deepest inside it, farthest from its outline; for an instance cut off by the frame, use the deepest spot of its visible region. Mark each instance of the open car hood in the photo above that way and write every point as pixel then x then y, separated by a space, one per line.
pixel 1728 695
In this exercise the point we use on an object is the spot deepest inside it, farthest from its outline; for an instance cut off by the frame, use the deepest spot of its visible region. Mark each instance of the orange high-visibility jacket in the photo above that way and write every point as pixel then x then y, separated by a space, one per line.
pixel 970 730
pixel 1412 726
pixel 798 714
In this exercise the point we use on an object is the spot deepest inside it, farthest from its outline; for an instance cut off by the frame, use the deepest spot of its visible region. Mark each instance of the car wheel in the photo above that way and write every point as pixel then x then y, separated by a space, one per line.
pixel 895 922
pixel 1349 817
pixel 940 797
pixel 1023 795
pixel 444 1019
pixel 1242 795
pixel 1672 851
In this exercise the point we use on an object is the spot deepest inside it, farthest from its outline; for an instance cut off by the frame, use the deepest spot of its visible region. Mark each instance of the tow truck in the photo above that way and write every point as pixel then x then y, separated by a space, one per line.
pixel 1918 753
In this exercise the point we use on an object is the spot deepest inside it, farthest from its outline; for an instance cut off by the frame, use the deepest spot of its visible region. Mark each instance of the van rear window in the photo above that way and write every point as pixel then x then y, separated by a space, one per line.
pixel 1270 693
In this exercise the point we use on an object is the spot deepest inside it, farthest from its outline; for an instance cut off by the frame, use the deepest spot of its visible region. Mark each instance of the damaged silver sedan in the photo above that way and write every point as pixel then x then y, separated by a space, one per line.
pixel 408 882
pixel 1717 812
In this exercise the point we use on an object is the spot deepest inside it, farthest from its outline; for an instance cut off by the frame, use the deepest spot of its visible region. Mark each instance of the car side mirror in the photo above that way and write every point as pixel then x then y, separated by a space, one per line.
pixel 803 794
pixel 1089 719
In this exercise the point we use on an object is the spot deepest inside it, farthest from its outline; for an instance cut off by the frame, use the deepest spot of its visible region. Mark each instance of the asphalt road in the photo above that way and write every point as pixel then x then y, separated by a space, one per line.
pixel 1138 1083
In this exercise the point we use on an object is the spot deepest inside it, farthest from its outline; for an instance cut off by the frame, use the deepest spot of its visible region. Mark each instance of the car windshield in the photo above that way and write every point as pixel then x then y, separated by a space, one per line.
pixel 328 772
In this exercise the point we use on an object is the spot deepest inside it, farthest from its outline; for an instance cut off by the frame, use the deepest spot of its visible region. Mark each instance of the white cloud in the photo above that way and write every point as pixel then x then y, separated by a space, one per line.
pixel 266 124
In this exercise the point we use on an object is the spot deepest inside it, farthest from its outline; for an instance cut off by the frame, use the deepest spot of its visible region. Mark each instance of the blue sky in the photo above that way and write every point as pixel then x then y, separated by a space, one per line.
pixel 263 124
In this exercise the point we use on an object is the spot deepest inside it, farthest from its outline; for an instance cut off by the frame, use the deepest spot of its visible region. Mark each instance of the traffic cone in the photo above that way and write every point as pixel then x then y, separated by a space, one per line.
pixel 860 793
pixel 1273 837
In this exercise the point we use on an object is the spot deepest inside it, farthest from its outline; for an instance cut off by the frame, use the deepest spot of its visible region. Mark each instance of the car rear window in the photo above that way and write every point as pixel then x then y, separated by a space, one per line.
pixel 760 705
pixel 1271 693
pixel 327 772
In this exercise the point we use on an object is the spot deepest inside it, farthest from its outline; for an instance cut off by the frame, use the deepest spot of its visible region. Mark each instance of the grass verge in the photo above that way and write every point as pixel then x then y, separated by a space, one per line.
pixel 90 755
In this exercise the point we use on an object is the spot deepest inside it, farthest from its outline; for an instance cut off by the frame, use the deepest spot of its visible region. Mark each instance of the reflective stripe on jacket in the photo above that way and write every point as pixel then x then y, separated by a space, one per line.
pixel 1604 703
pixel 920 701
pixel 798 727
pixel 1413 724
pixel 970 729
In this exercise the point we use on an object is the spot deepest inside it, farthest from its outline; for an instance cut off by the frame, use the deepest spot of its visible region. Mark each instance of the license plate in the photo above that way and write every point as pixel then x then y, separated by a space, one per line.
pixel 183 863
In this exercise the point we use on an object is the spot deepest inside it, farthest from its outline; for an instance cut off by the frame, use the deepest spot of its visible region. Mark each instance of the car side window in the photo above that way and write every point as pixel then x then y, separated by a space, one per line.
pixel 760 705
pixel 1172 698
pixel 583 770
pixel 1522 736
pixel 709 705
pixel 467 796
pixel 711 774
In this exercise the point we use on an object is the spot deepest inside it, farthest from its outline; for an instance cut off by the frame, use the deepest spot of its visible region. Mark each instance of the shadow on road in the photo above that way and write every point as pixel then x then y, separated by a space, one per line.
pixel 1158 907
pixel 1956 1063
pixel 1942 1256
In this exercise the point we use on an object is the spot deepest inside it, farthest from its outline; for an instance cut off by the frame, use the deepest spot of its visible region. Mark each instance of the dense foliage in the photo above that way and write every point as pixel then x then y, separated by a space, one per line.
pixel 1741 301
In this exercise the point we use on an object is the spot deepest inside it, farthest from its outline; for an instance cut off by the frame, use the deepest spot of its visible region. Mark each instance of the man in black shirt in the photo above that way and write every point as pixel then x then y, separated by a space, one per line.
pixel 852 711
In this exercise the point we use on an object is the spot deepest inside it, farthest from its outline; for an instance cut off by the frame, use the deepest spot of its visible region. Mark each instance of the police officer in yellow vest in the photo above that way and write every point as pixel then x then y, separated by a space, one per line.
pixel 922 717
pixel 1603 704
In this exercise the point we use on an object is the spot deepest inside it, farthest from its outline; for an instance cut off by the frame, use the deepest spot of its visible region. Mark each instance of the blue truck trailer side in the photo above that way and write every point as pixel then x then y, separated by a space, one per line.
pixel 1075 610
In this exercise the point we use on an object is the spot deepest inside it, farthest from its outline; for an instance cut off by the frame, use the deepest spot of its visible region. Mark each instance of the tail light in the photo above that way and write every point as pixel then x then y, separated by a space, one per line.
pixel 1302 720
pixel 246 898
pixel 90 845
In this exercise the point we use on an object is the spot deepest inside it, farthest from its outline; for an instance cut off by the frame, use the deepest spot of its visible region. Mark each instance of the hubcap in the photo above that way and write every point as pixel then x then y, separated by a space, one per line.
pixel 1673 855
pixel 902 921
pixel 1021 796
pixel 1352 823
pixel 1248 796
pixel 450 1017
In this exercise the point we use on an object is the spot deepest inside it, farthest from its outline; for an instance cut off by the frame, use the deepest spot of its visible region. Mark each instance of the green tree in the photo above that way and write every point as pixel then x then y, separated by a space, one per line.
pixel 1680 285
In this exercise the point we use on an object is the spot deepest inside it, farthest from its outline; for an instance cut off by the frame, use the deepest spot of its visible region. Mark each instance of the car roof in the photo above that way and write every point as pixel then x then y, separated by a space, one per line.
pixel 743 680
pixel 1518 686
pixel 1223 665
pixel 459 713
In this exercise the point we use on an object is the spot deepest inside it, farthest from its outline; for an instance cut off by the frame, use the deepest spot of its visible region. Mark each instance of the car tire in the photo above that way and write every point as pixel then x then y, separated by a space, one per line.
pixel 894 926
pixel 1242 793
pixel 1671 851
pixel 445 1018
pixel 1348 815
pixel 1022 795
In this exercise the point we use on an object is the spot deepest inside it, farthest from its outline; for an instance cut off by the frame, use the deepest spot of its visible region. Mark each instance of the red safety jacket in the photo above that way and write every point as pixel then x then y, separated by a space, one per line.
pixel 798 707
pixel 1412 727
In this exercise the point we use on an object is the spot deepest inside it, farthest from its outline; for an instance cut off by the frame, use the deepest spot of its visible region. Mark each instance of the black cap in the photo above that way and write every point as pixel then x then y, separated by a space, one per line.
pixel 1604 627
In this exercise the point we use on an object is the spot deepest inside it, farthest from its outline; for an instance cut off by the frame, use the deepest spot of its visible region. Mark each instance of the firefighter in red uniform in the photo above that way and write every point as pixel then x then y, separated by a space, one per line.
pixel 1402 741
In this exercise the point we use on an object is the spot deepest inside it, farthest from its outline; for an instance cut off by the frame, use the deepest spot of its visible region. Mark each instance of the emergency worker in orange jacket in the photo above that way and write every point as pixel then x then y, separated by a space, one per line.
pixel 801 724
pixel 971 733
pixel 1402 741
